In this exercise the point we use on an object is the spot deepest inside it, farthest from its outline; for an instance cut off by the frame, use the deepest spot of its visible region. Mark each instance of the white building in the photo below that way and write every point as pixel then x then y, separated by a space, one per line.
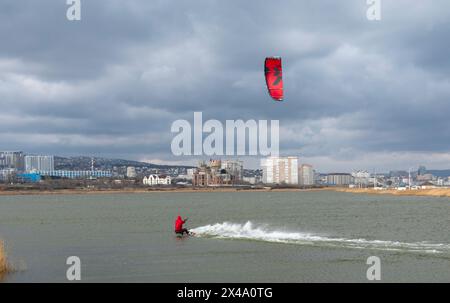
pixel 6 173
pixel 361 177
pixel 153 180
pixel 131 172
pixel 12 159
pixel 41 163
pixel 339 179
pixel 306 175
pixel 280 170
pixel 75 174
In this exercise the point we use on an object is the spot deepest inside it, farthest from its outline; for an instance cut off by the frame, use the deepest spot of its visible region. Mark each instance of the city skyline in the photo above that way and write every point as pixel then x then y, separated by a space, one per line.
pixel 300 163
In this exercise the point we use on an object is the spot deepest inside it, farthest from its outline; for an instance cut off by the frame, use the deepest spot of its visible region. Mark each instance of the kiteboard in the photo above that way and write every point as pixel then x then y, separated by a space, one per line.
pixel 180 235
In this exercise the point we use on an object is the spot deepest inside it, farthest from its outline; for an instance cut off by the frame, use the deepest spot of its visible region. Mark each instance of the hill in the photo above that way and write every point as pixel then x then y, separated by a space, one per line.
pixel 84 163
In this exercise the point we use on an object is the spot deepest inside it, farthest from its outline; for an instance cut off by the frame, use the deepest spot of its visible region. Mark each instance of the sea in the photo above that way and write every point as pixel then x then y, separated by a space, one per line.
pixel 243 236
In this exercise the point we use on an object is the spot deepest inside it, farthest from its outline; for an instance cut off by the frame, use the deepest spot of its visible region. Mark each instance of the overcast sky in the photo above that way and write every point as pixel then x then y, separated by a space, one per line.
pixel 358 94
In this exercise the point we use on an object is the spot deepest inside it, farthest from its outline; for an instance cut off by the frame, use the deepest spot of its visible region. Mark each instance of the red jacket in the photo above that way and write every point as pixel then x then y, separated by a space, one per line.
pixel 179 223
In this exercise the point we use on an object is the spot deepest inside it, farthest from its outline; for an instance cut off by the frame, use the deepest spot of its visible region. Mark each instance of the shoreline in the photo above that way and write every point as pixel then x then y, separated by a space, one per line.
pixel 432 192
pixel 20 192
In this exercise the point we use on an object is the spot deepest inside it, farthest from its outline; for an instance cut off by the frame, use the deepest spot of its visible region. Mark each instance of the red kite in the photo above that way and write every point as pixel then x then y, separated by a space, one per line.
pixel 274 77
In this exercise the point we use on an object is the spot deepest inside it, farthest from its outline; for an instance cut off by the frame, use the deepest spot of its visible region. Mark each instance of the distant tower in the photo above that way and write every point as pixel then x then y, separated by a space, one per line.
pixel 374 179
pixel 409 178
pixel 92 164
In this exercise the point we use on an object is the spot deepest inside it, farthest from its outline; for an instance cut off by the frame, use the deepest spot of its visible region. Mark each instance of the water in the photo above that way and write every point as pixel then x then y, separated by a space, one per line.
pixel 241 237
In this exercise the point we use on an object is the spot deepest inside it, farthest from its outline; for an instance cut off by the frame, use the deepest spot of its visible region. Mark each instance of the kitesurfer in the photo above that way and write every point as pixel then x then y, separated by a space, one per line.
pixel 179 226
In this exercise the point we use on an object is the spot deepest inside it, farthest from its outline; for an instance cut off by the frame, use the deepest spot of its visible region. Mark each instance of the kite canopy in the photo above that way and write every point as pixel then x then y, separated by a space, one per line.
pixel 274 77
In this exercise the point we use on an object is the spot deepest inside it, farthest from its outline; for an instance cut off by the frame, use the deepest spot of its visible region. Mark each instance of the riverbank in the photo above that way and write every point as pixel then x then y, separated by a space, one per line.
pixel 83 191
pixel 435 192
pixel 432 192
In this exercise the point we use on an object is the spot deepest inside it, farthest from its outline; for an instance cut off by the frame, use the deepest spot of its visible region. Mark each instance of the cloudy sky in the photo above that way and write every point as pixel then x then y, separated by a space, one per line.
pixel 358 94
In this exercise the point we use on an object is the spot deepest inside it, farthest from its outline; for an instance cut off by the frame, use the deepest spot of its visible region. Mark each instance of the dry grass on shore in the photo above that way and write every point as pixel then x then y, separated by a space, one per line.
pixel 432 192
pixel 4 267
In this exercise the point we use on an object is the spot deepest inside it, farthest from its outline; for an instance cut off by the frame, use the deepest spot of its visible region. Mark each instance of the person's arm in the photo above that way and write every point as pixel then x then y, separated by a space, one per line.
pixel 185 220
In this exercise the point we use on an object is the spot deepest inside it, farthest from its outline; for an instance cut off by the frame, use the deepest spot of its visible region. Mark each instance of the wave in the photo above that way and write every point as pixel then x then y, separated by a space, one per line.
pixel 250 231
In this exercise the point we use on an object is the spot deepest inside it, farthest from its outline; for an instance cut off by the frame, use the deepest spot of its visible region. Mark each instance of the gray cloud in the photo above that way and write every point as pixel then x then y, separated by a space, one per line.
pixel 112 84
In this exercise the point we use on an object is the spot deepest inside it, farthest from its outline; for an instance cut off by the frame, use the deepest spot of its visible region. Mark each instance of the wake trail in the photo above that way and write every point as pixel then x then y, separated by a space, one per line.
pixel 251 231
